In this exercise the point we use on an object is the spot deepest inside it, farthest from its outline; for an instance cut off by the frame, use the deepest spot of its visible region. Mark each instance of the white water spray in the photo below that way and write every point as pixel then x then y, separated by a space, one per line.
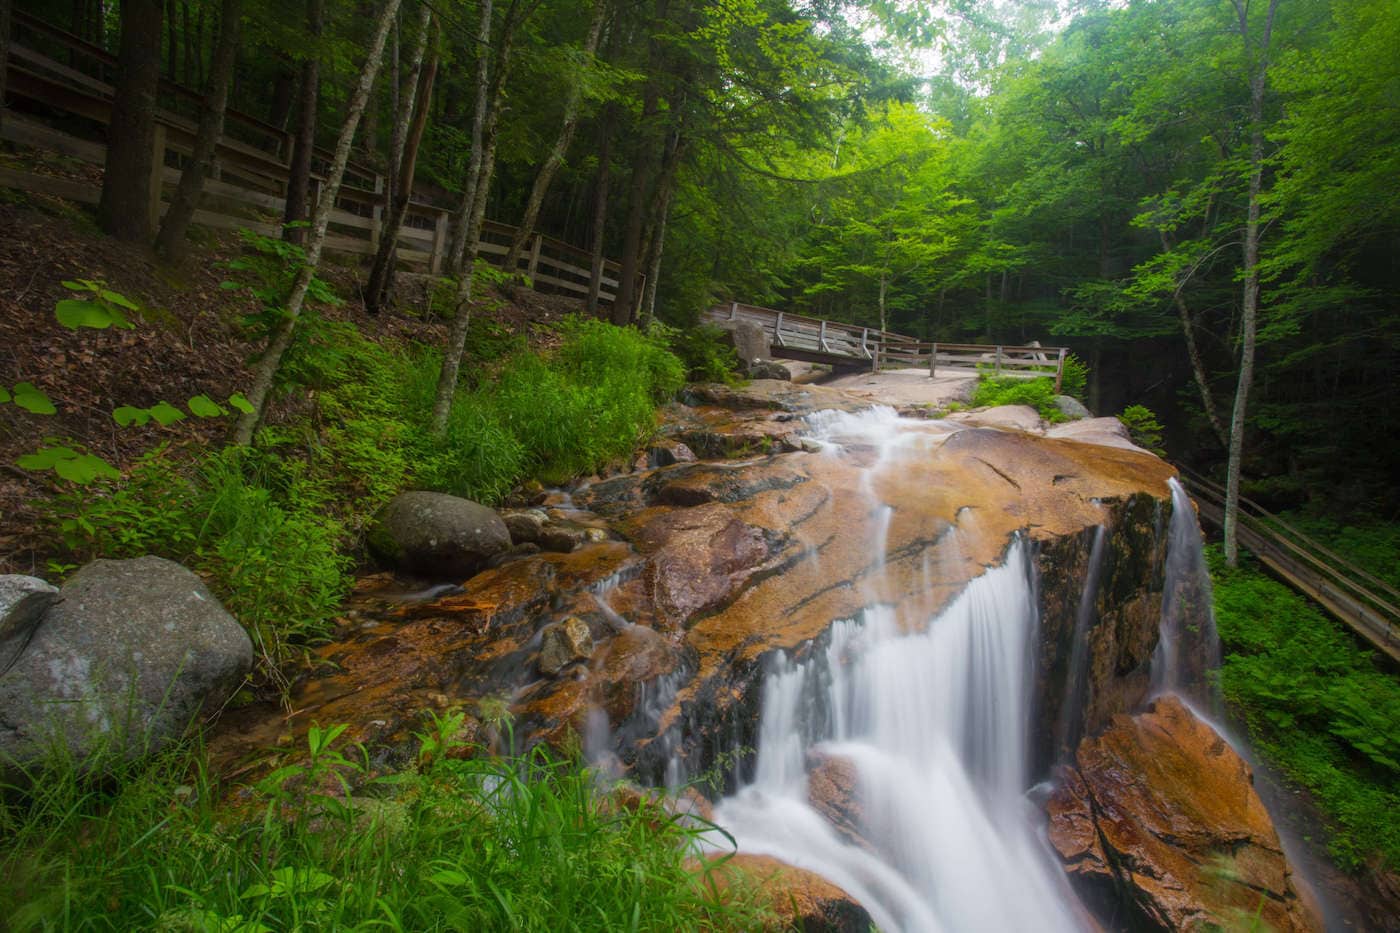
pixel 932 714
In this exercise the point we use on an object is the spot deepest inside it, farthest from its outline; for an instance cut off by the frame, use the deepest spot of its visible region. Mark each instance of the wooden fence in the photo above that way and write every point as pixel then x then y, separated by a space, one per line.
pixel 252 165
pixel 1363 602
pixel 792 336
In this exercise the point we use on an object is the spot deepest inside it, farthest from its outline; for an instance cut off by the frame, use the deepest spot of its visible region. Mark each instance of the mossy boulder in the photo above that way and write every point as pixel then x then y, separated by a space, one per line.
pixel 437 535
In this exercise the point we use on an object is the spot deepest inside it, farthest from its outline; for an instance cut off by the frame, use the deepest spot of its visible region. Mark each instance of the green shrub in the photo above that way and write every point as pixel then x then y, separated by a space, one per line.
pixel 1038 393
pixel 705 352
pixel 1074 378
pixel 1143 428
pixel 528 843
pixel 1318 706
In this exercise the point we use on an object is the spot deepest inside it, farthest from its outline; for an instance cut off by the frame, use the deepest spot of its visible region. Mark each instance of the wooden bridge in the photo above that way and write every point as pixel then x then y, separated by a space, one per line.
pixel 1363 602
pixel 849 346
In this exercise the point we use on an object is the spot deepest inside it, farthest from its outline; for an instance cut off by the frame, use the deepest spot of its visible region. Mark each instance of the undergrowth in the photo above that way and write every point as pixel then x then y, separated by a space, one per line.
pixel 454 843
pixel 1318 706
pixel 1038 393
pixel 272 528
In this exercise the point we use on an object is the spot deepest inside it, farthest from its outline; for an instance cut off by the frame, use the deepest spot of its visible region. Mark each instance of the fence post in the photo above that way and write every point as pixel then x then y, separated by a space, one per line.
pixel 821 336
pixel 733 310
pixel 534 255
pixel 778 330
pixel 875 356
pixel 157 175
pixel 1060 371
pixel 933 361
pixel 439 243
pixel 998 369
pixel 376 224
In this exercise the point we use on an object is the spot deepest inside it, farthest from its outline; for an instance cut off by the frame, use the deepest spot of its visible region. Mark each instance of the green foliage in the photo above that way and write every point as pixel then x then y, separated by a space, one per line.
pixel 266 270
pixel 1038 393
pixel 705 352
pixel 1317 705
pixel 1143 428
pixel 99 309
pixel 264 547
pixel 25 395
pixel 528 843
pixel 1074 378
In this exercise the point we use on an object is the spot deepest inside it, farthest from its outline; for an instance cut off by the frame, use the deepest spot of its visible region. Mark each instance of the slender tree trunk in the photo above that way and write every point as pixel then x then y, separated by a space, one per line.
pixel 4 53
pixel 126 179
pixel 284 85
pixel 462 221
pixel 478 188
pixel 299 174
pixel 561 143
pixel 1249 310
pixel 172 37
pixel 381 277
pixel 190 43
pixel 600 209
pixel 266 369
pixel 884 286
pixel 170 242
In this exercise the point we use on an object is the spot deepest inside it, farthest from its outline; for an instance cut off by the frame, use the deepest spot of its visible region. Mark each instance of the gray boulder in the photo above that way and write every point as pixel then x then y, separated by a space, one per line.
pixel 767 369
pixel 749 339
pixel 133 652
pixel 23 602
pixel 436 534
pixel 1072 408
pixel 525 525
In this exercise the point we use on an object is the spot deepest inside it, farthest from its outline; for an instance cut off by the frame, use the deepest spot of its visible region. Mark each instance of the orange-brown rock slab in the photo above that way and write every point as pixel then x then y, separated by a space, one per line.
pixel 800 899
pixel 833 791
pixel 1161 808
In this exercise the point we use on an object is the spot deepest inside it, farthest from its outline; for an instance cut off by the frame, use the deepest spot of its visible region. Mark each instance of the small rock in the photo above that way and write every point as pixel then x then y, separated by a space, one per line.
pixel 1072 408
pixel 767 369
pixel 525 525
pixel 667 453
pixel 563 643
pixel 802 899
pixel 564 536
pixel 130 656
pixel 437 534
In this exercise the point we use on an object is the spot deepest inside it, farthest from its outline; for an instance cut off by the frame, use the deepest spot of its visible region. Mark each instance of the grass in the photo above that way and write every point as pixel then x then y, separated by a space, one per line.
pixel 1038 393
pixel 273 529
pixel 527 843
pixel 1318 705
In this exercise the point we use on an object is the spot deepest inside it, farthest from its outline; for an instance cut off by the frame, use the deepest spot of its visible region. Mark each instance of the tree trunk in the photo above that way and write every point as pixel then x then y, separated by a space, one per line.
pixel 1249 311
pixel 478 189
pixel 4 53
pixel 283 87
pixel 172 39
pixel 600 209
pixel 190 44
pixel 124 209
pixel 266 368
pixel 884 286
pixel 299 173
pixel 561 144
pixel 462 221
pixel 170 243
pixel 381 275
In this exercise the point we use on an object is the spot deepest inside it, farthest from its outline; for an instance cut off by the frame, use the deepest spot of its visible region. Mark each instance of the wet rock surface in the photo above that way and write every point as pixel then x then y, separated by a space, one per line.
pixel 131 654
pixel 1161 810
pixel 802 900
pixel 706 570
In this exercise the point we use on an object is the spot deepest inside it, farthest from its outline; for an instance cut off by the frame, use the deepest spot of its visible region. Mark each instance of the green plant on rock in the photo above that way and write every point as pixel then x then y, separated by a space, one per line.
pixel 1143 427
pixel 1038 393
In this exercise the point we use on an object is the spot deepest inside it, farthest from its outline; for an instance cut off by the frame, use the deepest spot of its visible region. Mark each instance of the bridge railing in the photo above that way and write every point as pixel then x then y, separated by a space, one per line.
pixel 1363 602
pixel 252 166
pixel 796 336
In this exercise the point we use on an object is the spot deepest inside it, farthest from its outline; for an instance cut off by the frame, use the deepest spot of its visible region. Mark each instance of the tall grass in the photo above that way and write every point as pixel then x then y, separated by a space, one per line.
pixel 454 843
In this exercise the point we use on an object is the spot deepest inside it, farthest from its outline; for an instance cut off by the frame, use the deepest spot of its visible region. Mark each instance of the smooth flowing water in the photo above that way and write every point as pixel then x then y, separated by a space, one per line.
pixel 932 715
pixel 1188 648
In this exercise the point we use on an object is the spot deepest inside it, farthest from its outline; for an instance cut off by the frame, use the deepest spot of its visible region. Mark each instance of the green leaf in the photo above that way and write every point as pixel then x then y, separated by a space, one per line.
pixel 228 286
pixel 166 413
pixel 120 300
pixel 86 468
pixel 45 458
pixel 4 395
pixel 128 415
pixel 73 286
pixel 204 407
pixel 32 400
pixel 242 404
pixel 73 314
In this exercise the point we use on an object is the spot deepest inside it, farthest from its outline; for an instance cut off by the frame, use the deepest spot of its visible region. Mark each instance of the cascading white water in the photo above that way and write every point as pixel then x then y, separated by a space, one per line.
pixel 1188 649
pixel 932 714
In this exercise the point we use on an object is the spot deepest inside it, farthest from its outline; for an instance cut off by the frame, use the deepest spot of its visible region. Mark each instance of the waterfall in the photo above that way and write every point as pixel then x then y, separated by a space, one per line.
pixel 1188 649
pixel 931 716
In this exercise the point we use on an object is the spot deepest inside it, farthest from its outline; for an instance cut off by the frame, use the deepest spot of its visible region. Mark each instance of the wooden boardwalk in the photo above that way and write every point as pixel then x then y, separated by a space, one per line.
pixel 849 346
pixel 1363 602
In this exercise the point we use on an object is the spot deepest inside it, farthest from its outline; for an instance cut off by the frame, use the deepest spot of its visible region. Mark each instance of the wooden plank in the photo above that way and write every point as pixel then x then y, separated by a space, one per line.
pixel 81 192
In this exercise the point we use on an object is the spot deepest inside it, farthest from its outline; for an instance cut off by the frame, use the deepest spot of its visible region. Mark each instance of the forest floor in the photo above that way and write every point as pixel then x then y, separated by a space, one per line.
pixel 190 339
